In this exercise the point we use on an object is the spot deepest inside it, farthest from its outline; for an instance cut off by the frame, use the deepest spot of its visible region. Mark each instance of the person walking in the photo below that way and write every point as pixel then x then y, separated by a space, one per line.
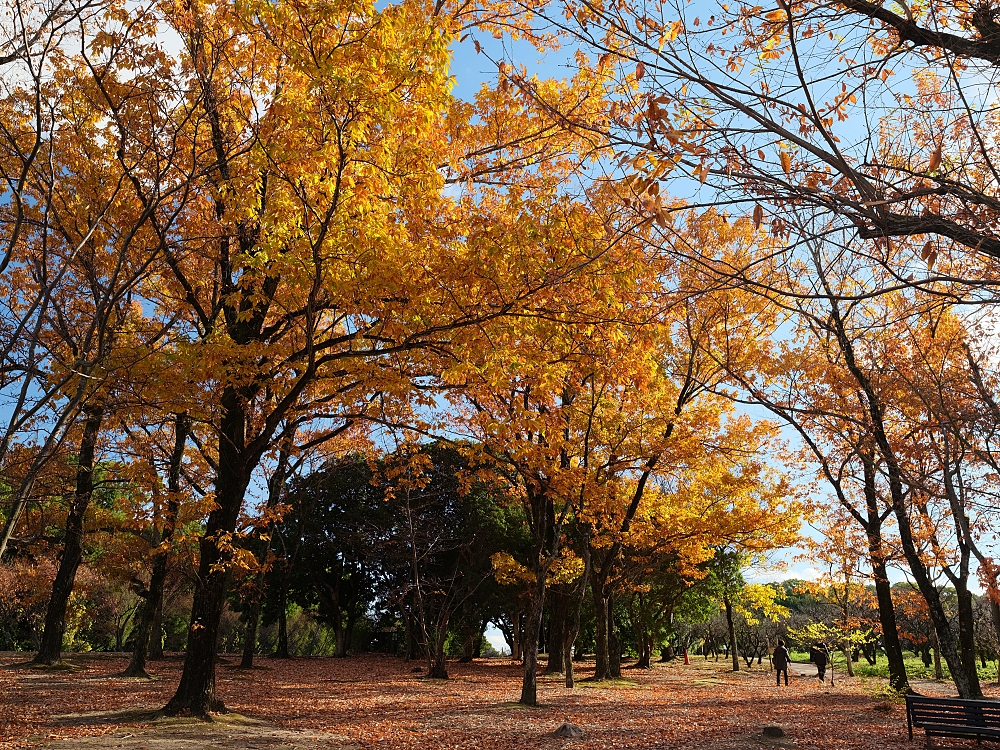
pixel 820 656
pixel 781 659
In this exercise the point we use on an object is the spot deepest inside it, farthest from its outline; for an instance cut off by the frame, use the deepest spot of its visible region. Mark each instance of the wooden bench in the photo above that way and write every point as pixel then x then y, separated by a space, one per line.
pixel 953 717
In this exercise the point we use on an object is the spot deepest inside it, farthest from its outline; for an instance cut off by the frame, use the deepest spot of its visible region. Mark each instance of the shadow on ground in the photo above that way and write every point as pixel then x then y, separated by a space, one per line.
pixel 228 732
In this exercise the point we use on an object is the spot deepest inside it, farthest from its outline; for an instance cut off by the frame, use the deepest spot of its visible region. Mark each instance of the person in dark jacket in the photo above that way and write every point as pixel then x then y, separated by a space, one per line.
pixel 820 656
pixel 781 659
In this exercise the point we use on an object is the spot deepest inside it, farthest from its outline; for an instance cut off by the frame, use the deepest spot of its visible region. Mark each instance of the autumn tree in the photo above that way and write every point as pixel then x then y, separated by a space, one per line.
pixel 840 556
pixel 93 330
pixel 164 526
pixel 32 44
pixel 275 182
pixel 871 406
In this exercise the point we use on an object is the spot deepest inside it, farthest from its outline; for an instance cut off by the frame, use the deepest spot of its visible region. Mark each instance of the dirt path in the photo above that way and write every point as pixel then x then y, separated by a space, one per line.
pixel 922 686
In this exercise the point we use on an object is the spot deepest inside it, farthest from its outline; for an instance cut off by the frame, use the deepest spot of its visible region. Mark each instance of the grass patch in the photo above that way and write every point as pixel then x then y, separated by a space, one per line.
pixel 917 670
pixel 621 682
pixel 59 666
pixel 514 704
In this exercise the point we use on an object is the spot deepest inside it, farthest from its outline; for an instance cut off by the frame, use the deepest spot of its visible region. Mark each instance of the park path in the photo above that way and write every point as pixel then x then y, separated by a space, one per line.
pixel 921 685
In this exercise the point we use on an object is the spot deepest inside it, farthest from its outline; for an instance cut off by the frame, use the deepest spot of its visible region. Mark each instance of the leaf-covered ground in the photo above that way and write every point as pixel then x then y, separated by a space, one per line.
pixel 378 702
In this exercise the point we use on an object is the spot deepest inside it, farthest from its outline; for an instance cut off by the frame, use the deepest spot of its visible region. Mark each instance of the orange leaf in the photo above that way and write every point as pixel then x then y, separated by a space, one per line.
pixel 935 161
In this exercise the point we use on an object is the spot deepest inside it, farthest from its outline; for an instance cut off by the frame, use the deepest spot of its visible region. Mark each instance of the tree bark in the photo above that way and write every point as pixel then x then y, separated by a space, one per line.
pixel 250 636
pixel 602 666
pixel 883 589
pixel 614 644
pixel 275 489
pixel 153 603
pixel 890 632
pixel 281 647
pixel 156 636
pixel 532 628
pixel 897 497
pixel 340 638
pixel 732 632
pixel 468 645
pixel 995 616
pixel 967 635
pixel 196 693
pixel 50 649
pixel 645 649
pixel 847 658
pixel 572 629
pixel 557 632
pixel 644 638
pixel 938 672
pixel 439 665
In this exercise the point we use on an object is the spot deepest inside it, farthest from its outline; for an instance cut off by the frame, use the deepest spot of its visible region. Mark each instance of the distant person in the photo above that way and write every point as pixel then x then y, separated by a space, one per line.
pixel 781 660
pixel 820 656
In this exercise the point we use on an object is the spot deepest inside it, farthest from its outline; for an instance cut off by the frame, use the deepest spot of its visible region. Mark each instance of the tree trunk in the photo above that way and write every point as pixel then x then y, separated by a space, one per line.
pixel 281 647
pixel 407 651
pixel 967 636
pixel 614 644
pixel 275 490
pixel 643 637
pixel 642 662
pixel 439 665
pixel 572 629
pixel 602 662
pixel 517 637
pixel 569 638
pixel 897 495
pixel 340 634
pixel 468 645
pixel 847 658
pixel 938 672
pixel 196 692
pixel 250 636
pixel 152 607
pixel 883 589
pixel 557 632
pixel 156 635
pixel 732 632
pixel 50 649
pixel 147 620
pixel 532 629
pixel 995 614
pixel 890 633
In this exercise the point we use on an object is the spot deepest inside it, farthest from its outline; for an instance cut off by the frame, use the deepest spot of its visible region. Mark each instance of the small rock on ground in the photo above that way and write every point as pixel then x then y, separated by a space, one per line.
pixel 569 730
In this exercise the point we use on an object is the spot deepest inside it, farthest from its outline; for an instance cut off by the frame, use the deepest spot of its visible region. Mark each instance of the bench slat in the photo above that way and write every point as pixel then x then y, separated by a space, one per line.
pixel 953 717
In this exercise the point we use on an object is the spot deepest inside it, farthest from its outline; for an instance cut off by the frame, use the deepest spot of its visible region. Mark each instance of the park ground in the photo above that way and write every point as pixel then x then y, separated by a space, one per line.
pixel 379 702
